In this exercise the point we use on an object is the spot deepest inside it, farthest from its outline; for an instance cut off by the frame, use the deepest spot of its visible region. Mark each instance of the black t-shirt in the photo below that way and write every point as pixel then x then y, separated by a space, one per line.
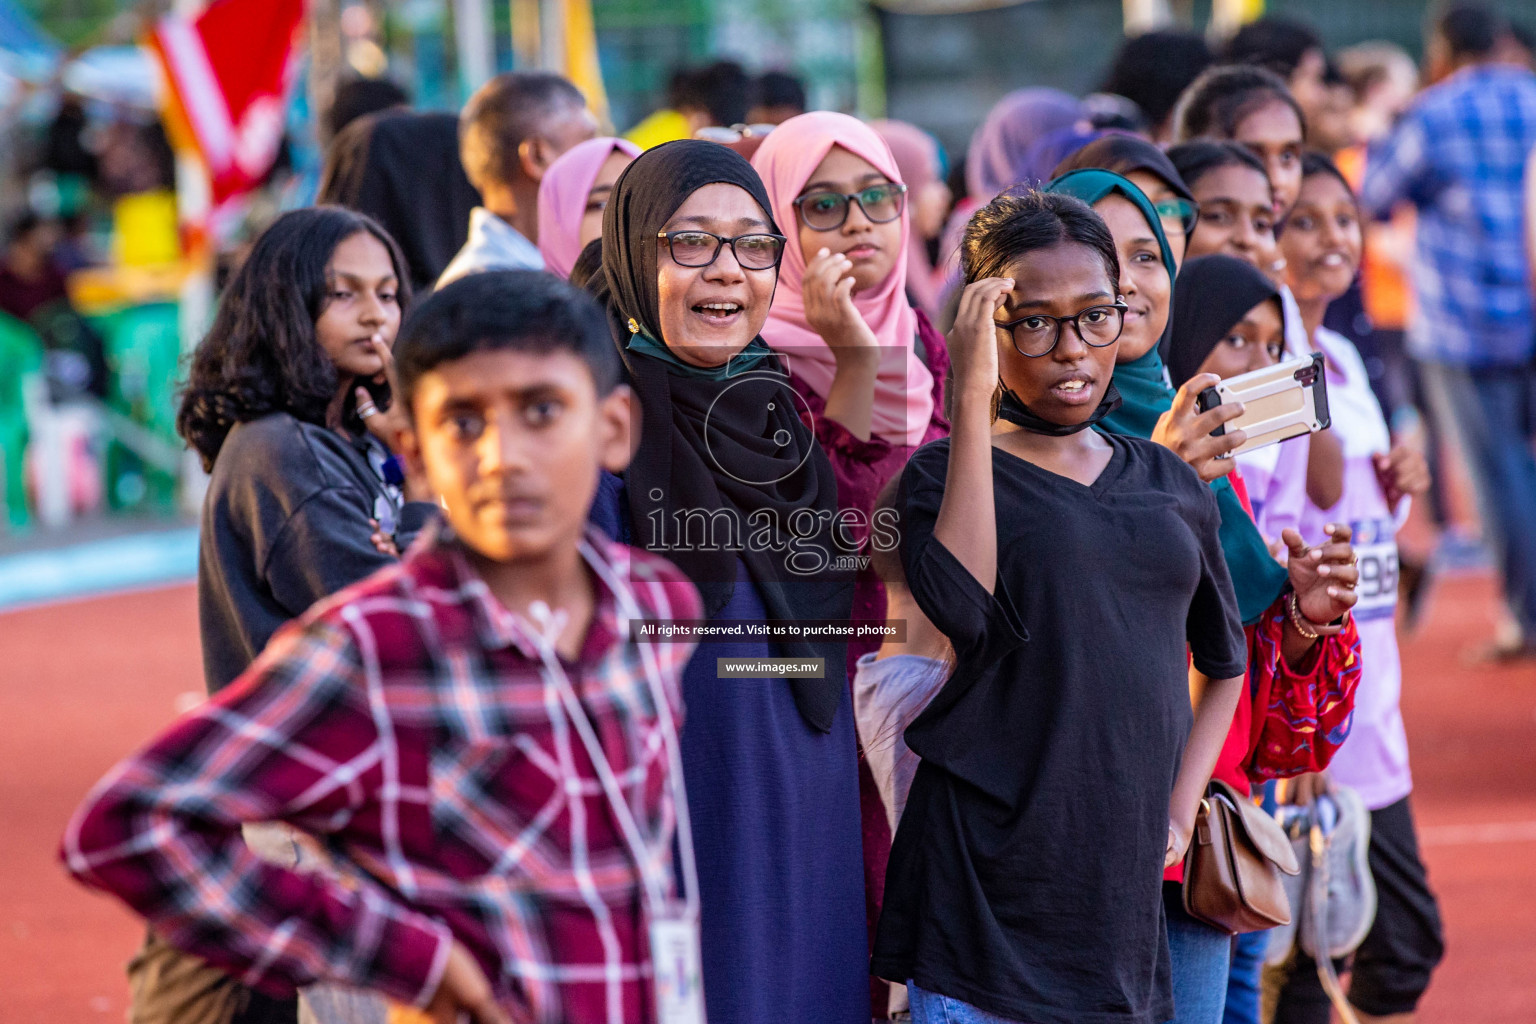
pixel 1026 876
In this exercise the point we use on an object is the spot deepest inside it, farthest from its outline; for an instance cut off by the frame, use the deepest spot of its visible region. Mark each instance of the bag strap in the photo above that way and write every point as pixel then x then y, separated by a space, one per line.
pixel 1318 917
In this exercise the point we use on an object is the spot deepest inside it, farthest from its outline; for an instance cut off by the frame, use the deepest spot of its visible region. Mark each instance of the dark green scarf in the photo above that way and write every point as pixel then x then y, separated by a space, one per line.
pixel 1145 395
pixel 747 360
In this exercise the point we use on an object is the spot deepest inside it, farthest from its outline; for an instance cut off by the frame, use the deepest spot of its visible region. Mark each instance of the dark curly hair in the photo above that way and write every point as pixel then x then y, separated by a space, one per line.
pixel 262 354
pixel 1022 220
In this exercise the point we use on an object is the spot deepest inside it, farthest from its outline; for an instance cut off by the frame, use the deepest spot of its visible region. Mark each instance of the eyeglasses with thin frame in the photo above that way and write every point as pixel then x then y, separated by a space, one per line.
pixel 828 211
pixel 759 250
pixel 1178 215
pixel 1038 334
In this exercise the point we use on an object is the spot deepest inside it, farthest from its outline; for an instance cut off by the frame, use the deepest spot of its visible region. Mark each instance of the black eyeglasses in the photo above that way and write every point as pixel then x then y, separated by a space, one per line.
pixel 757 251
pixel 827 211
pixel 1037 334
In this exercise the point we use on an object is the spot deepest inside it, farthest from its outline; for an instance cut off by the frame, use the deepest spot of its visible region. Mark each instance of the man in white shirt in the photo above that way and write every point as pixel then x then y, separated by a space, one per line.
pixel 510 131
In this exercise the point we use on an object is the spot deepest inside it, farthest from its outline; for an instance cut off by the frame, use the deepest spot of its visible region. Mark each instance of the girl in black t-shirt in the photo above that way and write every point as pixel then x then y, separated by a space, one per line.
pixel 1061 766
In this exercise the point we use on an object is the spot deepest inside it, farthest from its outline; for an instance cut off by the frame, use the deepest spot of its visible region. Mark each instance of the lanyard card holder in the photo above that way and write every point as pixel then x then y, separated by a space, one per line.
pixel 677 965
pixel 1279 402
pixel 672 926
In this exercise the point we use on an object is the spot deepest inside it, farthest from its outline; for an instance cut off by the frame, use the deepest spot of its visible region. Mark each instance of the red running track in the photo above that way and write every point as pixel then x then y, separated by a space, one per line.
pixel 86 682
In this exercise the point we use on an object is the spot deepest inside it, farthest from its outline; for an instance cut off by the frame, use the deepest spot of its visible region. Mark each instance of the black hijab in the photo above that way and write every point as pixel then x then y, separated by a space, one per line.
pixel 713 441
pixel 1124 154
pixel 401 167
pixel 1212 294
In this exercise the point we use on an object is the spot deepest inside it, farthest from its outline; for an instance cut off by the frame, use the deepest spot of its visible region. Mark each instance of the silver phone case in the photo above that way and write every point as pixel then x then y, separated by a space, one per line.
pixel 1279 402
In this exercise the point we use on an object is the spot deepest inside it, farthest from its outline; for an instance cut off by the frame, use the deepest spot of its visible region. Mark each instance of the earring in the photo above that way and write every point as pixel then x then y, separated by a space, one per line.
pixel 997 399
pixel 634 328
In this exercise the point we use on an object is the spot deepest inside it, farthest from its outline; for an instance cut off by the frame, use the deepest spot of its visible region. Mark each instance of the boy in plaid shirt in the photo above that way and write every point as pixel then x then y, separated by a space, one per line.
pixel 474 734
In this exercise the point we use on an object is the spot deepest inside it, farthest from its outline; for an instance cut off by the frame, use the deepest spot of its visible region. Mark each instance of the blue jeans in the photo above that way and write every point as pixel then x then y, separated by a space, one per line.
pixel 1494 415
pixel 1243 979
pixel 932 1008
pixel 1200 956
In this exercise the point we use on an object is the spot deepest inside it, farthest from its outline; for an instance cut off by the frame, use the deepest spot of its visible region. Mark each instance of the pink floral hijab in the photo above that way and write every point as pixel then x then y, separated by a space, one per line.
pixel 563 199
pixel 904 387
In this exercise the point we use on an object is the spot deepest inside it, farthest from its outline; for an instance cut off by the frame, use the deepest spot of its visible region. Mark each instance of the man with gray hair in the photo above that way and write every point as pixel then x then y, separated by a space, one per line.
pixel 510 131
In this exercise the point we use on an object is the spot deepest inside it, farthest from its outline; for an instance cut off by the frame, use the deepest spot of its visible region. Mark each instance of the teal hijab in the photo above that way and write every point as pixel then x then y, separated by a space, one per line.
pixel 1143 385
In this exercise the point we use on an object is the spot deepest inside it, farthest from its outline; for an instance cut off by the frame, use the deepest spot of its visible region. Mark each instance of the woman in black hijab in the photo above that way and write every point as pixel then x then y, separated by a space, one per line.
pixel 730 484
pixel 1227 320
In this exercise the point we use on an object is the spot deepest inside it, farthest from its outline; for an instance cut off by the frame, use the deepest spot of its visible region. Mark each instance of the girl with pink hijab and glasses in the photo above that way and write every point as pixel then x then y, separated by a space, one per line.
pixel 572 198
pixel 870 369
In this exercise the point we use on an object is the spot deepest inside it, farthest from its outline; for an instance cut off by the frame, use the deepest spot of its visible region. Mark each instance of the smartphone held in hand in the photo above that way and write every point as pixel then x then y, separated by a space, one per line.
pixel 1279 402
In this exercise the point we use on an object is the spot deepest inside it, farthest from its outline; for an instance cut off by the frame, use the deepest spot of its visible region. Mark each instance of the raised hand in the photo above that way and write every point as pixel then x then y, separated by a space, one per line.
pixel 829 308
pixel 1402 472
pixel 383 541
pixel 967 522
pixel 1186 431
pixel 1323 577
pixel 387 424
pixel 973 339
pixel 384 423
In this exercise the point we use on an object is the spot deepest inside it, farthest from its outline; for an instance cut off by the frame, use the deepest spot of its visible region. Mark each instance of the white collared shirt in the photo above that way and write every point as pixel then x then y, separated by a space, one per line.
pixel 493 244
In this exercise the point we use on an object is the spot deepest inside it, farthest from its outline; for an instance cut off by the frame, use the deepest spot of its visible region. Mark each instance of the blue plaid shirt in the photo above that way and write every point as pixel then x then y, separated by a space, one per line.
pixel 1459 156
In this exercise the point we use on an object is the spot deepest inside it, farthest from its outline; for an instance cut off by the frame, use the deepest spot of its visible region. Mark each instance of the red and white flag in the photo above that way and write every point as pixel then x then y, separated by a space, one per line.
pixel 228 73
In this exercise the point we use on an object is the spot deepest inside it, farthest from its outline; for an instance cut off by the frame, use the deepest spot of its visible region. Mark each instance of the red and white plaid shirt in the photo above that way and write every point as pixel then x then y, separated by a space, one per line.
pixel 409 722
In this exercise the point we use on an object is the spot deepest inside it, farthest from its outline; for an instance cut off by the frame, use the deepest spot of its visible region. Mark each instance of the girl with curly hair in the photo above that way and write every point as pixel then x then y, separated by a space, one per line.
pixel 285 403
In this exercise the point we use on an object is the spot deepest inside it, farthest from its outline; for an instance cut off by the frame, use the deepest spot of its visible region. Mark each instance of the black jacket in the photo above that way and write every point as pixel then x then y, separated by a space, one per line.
pixel 285 523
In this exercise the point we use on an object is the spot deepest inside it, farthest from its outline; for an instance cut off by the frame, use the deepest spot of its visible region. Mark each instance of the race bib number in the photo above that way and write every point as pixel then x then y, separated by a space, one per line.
pixel 1376 546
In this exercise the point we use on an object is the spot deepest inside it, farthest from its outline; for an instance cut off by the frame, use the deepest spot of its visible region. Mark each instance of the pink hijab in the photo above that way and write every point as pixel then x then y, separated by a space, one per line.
pixel 563 199
pixel 917 158
pixel 903 387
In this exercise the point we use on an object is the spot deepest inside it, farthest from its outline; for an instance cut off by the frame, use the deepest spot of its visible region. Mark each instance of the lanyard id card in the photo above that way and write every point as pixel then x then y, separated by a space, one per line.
pixel 677 963
pixel 678 967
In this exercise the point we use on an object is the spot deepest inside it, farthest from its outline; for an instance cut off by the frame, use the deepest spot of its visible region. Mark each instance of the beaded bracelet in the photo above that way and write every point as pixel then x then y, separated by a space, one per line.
pixel 1310 630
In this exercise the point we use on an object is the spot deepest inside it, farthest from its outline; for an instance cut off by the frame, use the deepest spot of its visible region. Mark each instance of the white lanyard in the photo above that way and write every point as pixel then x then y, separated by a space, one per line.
pixel 549 625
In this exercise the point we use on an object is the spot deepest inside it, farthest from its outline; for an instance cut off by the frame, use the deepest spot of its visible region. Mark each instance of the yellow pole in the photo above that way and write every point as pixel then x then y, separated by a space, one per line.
pixel 1227 16
pixel 581 63
pixel 526 34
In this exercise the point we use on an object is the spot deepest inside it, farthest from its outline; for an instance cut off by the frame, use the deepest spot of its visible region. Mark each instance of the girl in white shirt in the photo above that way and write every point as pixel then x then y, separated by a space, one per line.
pixel 1322 244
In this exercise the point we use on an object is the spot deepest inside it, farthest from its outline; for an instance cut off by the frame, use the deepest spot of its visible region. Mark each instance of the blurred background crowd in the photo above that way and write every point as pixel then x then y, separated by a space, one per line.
pixel 145 143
